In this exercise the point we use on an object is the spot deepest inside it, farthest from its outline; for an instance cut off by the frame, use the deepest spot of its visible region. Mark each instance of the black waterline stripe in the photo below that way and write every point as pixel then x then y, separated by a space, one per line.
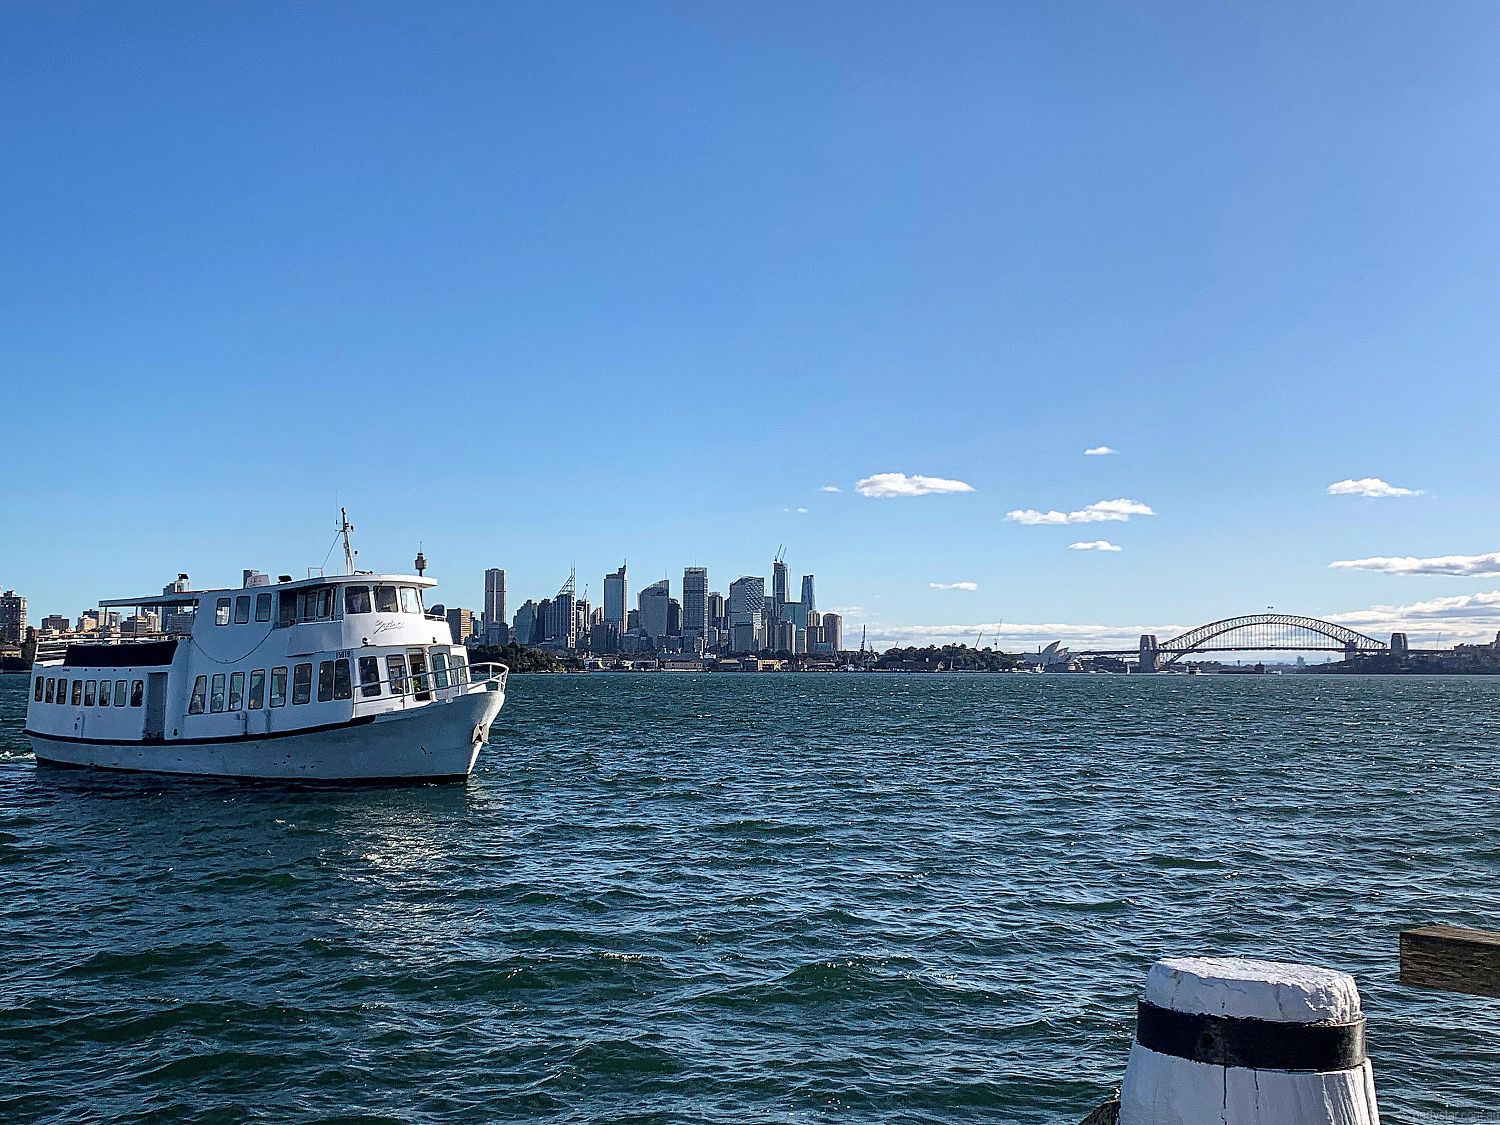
pixel 229 738
pixel 1254 1044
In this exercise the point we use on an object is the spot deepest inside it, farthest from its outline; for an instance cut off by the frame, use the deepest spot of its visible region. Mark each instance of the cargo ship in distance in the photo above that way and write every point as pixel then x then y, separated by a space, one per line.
pixel 329 678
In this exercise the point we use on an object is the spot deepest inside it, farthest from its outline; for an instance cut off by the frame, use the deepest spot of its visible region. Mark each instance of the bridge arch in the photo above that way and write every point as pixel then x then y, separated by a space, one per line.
pixel 1267 632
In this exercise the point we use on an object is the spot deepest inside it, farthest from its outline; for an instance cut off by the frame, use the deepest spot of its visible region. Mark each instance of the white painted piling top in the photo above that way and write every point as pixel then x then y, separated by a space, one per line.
pixel 1242 986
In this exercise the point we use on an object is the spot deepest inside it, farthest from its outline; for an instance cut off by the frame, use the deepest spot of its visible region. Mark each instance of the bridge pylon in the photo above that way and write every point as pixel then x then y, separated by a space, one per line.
pixel 1149 648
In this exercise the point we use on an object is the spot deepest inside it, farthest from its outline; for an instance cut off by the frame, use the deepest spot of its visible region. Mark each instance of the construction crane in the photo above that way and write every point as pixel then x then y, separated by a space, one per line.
pixel 978 639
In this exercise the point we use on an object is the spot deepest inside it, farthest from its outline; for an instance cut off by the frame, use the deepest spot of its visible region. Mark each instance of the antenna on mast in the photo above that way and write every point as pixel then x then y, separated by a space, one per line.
pixel 345 527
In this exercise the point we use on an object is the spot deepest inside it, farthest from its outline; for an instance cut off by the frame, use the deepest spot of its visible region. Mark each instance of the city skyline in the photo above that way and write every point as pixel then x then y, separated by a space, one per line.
pixel 1052 323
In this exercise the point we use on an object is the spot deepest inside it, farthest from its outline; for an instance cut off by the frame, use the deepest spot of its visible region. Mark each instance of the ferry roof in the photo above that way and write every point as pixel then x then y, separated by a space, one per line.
pixel 190 597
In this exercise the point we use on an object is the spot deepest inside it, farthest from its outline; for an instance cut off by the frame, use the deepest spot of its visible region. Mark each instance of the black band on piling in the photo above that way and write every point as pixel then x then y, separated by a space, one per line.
pixel 1254 1044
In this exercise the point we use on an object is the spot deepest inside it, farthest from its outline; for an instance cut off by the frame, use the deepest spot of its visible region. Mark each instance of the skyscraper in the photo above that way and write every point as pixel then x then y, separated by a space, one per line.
pixel 654 602
pixel 523 629
pixel 833 631
pixel 12 617
pixel 695 603
pixel 778 587
pixel 616 593
pixel 808 603
pixel 747 602
pixel 461 622
pixel 494 606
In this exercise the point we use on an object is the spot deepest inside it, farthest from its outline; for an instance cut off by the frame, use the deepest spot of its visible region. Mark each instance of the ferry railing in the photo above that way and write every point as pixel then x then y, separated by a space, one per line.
pixel 407 688
pixel 51 650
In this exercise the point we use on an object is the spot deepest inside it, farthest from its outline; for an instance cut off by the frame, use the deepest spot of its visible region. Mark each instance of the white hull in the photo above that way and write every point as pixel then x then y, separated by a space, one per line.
pixel 438 741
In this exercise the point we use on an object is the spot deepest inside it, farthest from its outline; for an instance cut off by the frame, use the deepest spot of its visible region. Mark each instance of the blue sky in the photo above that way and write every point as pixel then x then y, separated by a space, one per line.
pixel 544 285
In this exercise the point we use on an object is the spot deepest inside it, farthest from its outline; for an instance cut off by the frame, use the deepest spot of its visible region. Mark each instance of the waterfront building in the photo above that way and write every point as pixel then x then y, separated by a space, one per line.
pixel 654 605
pixel 494 606
pixel 461 624
pixel 12 618
pixel 695 603
pixel 633 621
pixel 604 638
pixel 616 595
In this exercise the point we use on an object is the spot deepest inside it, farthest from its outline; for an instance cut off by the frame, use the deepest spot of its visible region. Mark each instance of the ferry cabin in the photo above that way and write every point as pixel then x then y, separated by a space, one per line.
pixel 260 661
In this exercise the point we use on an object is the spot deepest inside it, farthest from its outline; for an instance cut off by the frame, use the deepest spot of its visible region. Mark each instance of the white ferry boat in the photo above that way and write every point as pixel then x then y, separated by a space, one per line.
pixel 343 678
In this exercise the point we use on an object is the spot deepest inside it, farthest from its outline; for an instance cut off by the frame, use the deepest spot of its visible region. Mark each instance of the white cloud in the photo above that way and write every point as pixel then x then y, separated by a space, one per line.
pixel 797 511
pixel 899 484
pixel 1459 566
pixel 1094 545
pixel 954 585
pixel 1100 451
pixel 830 488
pixel 1101 511
pixel 1369 486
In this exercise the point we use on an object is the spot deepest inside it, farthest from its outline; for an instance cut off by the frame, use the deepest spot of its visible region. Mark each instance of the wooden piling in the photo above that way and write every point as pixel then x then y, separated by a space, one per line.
pixel 1452 959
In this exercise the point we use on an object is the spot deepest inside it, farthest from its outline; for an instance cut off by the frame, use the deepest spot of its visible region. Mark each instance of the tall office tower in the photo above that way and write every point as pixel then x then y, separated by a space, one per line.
pixel 461 624
pixel 494 606
pixel 12 617
pixel 807 593
pixel 746 605
pixel 695 602
pixel 716 610
pixel 833 631
pixel 616 592
pixel 523 628
pixel 778 588
pixel 655 603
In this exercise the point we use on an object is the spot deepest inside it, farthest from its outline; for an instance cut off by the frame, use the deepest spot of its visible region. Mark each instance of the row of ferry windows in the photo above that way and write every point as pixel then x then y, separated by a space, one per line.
pixel 90 693
pixel 318 604
pixel 213 694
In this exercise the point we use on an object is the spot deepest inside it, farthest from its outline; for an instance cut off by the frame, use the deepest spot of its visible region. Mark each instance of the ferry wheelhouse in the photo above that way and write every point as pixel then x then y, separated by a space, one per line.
pixel 330 678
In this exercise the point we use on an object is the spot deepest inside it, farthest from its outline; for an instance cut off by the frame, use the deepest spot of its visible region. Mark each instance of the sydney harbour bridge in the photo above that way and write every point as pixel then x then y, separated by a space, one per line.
pixel 1256 632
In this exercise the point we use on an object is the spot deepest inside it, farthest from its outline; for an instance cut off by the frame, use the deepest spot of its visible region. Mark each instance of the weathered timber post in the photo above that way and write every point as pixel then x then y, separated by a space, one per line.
pixel 1451 958
pixel 1231 1041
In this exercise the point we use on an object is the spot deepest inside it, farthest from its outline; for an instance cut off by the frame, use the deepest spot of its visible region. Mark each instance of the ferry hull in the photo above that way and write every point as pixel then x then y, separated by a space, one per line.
pixel 440 741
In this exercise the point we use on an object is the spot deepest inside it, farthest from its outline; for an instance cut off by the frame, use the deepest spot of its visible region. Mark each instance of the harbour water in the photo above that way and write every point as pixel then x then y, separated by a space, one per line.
pixel 686 898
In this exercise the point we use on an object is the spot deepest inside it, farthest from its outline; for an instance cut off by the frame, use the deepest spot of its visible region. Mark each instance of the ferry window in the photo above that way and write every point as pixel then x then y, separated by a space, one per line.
pixel 62 691
pixel 341 688
pixel 286 608
pixel 103 693
pixel 242 609
pixel 440 668
pixel 200 695
pixel 325 681
pixel 302 683
pixel 356 599
pixel 236 691
pixel 90 692
pixel 38 688
pixel 395 667
pixel 221 614
pixel 410 603
pixel 263 607
pixel 385 600
pixel 278 687
pixel 137 692
pixel 77 693
pixel 369 675
pixel 257 689
pixel 315 604
pixel 216 694
pixel 460 668
pixel 51 686
pixel 121 688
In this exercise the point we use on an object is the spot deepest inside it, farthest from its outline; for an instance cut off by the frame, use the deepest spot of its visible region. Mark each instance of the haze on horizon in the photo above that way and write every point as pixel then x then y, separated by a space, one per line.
pixel 1062 322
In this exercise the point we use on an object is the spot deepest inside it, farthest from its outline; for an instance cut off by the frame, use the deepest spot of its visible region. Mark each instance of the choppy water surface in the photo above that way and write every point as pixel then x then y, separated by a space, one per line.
pixel 752 898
